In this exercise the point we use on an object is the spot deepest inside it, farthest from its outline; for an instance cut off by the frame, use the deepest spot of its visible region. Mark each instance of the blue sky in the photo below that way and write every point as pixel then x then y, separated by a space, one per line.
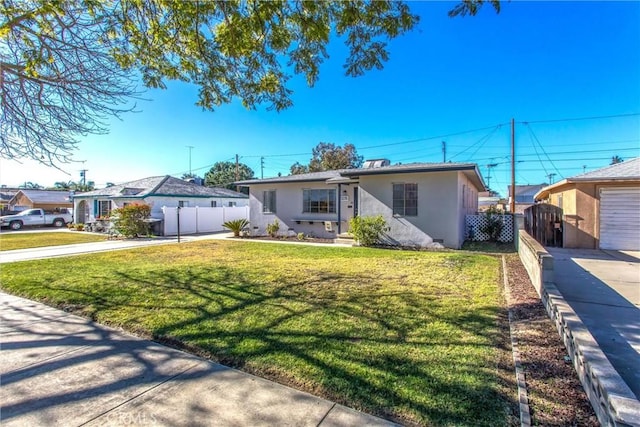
pixel 536 62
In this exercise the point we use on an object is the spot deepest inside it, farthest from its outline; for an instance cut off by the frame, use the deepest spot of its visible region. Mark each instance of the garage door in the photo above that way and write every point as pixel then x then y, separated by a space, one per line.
pixel 620 218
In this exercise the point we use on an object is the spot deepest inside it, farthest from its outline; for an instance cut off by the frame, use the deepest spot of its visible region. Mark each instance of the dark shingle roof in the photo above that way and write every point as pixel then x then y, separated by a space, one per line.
pixel 161 186
pixel 330 176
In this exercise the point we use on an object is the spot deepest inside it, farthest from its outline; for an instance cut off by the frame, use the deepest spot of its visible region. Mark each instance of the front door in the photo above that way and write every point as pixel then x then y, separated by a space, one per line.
pixel 355 201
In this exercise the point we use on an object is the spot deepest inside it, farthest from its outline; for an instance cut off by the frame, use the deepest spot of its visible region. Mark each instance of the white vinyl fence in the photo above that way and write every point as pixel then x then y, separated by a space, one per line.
pixel 200 220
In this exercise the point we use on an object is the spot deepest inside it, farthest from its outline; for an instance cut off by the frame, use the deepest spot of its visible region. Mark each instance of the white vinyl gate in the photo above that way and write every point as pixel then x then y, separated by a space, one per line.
pixel 620 218
pixel 201 220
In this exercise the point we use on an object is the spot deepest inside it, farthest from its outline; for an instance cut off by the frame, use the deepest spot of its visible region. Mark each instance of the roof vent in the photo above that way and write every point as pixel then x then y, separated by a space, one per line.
pixel 375 163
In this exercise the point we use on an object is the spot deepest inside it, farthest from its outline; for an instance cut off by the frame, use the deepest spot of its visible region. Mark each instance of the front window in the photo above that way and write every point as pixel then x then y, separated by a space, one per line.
pixel 405 199
pixel 104 208
pixel 319 201
pixel 269 201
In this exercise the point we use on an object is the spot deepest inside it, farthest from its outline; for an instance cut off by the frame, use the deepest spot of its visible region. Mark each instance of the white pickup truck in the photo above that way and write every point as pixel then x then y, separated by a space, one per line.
pixel 37 217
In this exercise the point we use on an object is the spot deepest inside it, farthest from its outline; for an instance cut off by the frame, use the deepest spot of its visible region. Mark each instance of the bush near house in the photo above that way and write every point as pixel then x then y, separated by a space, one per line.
pixel 130 220
pixel 368 230
pixel 236 226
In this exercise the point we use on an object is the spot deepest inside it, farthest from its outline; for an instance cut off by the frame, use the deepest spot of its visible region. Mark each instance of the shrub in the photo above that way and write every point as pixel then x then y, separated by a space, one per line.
pixel 130 220
pixel 494 224
pixel 301 236
pixel 237 225
pixel 368 230
pixel 273 228
pixel 79 227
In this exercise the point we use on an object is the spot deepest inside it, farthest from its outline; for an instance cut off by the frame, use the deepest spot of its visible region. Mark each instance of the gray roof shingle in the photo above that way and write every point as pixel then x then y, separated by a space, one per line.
pixel 629 169
pixel 161 186
pixel 47 196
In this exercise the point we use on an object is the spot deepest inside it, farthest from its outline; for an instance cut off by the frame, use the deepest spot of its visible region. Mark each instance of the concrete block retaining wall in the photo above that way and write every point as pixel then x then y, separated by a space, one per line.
pixel 613 401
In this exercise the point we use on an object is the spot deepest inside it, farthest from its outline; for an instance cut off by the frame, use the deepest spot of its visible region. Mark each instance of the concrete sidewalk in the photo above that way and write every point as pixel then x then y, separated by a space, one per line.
pixel 61 369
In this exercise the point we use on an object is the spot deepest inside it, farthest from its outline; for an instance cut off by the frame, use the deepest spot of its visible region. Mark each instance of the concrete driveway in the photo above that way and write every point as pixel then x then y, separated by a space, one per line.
pixel 603 288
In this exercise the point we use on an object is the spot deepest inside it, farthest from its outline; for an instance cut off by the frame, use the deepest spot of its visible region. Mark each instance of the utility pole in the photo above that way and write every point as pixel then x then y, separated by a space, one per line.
pixel 83 176
pixel 550 176
pixel 512 196
pixel 262 167
pixel 190 147
pixel 237 168
pixel 584 168
pixel 444 152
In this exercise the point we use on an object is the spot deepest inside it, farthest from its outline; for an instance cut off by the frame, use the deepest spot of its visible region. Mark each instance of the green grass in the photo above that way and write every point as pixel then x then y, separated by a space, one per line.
pixel 11 241
pixel 413 336
pixel 489 247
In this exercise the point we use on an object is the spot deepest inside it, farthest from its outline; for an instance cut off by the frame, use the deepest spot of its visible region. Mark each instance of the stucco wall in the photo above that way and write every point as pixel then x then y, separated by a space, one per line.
pixel 289 209
pixel 581 207
pixel 467 204
pixel 438 199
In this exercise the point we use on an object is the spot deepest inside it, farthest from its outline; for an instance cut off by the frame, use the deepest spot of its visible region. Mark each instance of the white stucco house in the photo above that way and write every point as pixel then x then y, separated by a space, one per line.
pixel 158 192
pixel 422 203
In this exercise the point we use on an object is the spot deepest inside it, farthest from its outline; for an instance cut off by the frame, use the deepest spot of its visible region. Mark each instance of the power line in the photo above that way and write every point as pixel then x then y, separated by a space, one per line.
pixel 580 118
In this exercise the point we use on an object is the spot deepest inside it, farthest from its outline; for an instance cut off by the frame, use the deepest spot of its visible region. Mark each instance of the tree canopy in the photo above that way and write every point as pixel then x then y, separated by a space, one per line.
pixel 223 174
pixel 326 156
pixel 65 67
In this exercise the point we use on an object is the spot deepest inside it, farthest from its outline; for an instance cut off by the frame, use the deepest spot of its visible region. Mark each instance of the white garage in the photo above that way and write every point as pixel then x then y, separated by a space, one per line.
pixel 620 218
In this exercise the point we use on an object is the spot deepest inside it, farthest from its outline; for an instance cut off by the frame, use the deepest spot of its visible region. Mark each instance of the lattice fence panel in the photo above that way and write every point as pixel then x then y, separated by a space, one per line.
pixel 475 223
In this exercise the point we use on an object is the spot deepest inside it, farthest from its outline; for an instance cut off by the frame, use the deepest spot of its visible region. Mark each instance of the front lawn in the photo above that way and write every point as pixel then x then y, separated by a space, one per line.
pixel 413 336
pixel 11 241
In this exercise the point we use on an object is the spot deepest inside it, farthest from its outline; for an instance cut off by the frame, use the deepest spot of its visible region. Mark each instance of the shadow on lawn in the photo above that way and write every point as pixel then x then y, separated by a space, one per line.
pixel 332 335
pixel 344 342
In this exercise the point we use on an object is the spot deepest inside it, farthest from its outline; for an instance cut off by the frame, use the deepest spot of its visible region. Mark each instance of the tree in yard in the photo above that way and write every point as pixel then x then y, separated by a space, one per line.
pixel 66 67
pixel 327 156
pixel 223 174
pixel 616 160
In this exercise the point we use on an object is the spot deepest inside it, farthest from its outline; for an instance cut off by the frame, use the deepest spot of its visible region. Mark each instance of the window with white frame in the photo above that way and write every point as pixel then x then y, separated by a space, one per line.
pixel 232 204
pixel 214 204
pixel 183 203
pixel 318 201
pixel 405 199
pixel 269 201
pixel 104 208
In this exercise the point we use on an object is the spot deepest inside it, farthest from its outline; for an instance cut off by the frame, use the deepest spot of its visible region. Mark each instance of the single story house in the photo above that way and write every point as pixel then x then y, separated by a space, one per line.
pixel 49 200
pixel 601 208
pixel 156 191
pixel 524 196
pixel 424 204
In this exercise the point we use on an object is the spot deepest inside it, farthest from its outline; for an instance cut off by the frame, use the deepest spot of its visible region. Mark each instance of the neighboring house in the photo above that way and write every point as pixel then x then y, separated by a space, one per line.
pixel 6 194
pixel 487 199
pixel 49 200
pixel 524 196
pixel 157 191
pixel 601 208
pixel 422 203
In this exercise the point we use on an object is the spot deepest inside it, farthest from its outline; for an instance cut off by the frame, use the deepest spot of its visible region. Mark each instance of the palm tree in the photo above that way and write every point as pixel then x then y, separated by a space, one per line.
pixel 615 160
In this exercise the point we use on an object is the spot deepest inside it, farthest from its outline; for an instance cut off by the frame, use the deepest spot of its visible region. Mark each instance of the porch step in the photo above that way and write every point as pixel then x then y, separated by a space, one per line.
pixel 344 239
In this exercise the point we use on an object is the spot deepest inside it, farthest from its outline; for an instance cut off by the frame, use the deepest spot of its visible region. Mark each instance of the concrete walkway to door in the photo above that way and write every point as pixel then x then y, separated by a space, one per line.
pixel 603 288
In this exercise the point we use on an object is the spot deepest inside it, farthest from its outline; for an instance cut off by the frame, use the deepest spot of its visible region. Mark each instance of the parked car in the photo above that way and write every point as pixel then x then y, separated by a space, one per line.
pixel 35 217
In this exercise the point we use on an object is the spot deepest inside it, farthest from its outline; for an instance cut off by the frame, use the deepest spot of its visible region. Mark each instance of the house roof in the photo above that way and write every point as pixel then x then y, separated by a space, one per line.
pixel 628 170
pixel 44 196
pixel 303 177
pixel 338 175
pixel 526 190
pixel 166 186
